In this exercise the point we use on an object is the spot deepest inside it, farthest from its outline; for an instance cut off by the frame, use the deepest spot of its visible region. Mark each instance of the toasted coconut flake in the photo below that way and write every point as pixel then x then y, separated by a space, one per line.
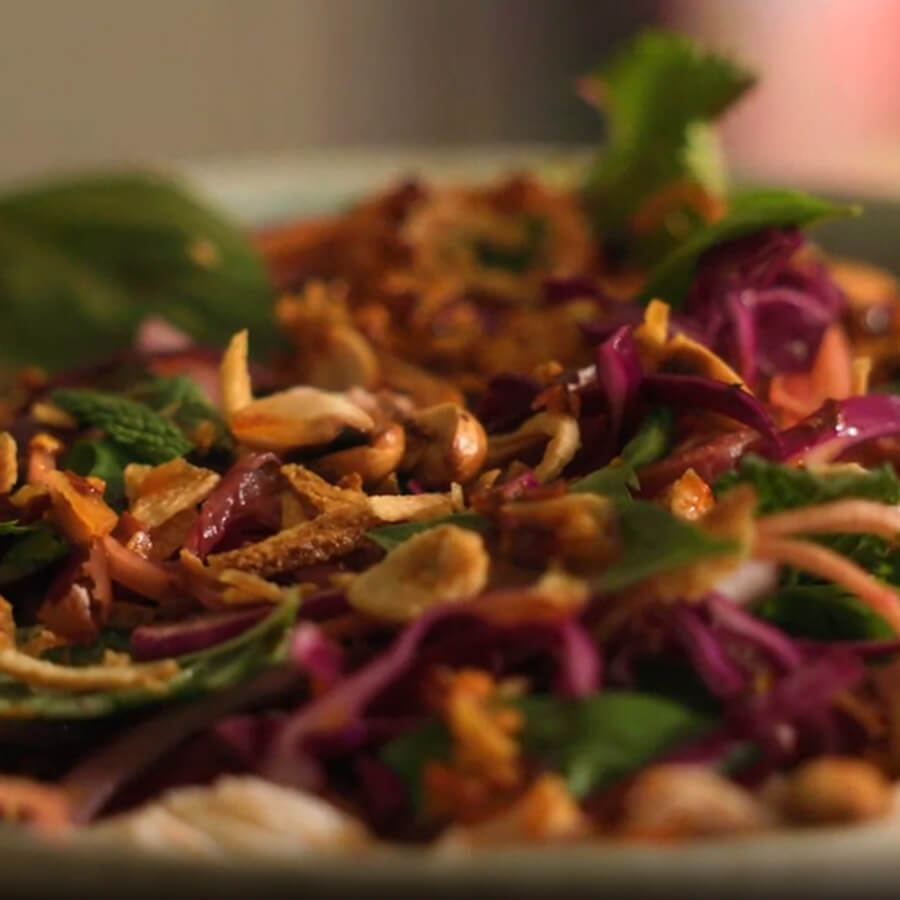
pixel 565 439
pixel 168 538
pixel 296 418
pixel 317 494
pixel 42 452
pixel 78 508
pixel 411 507
pixel 443 565
pixel 237 390
pixel 169 489
pixel 245 588
pixel 7 625
pixel 327 536
pixel 9 462
pixel 77 679
pixel 28 494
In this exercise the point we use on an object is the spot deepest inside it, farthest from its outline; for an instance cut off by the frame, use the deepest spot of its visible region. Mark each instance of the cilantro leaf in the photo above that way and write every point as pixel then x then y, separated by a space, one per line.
pixel 657 93
pixel 655 541
pixel 92 256
pixel 748 212
pixel 390 536
pixel 136 429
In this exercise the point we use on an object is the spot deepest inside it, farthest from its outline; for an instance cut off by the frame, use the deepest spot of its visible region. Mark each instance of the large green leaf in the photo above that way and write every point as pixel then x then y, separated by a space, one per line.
pixel 83 260
pixel 390 536
pixel 748 212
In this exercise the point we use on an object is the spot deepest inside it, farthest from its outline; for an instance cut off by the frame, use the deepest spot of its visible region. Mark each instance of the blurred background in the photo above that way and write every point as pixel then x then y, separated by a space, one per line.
pixel 104 80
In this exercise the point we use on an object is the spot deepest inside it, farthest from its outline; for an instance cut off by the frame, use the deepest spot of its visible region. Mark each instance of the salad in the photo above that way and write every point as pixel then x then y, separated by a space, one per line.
pixel 557 510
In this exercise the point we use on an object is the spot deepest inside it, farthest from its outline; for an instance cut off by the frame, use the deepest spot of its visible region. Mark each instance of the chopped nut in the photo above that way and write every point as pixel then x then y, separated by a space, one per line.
pixel 9 462
pixel 442 565
pixel 169 489
pixel 237 390
pixel 690 497
pixel 565 439
pixel 296 418
pixel 79 509
pixel 445 443
pixel 683 801
pixel 834 789
pixel 372 463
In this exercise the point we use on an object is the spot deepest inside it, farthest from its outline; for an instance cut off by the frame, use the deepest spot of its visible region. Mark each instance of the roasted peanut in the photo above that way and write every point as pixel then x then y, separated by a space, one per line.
pixel 445 443
pixel 372 463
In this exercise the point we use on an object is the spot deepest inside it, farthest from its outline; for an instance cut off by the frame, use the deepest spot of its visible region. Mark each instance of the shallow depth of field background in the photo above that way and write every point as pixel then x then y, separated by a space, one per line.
pixel 102 81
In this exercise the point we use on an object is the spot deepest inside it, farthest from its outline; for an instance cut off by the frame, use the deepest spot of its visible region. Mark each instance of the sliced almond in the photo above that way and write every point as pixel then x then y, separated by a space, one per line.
pixel 410 507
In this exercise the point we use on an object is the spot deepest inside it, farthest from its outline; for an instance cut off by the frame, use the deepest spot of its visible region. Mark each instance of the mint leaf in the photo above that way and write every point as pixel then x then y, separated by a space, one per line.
pixel 823 612
pixel 83 260
pixel 653 439
pixel 136 429
pixel 657 94
pixel 390 536
pixel 748 212
pixel 101 459
pixel 655 541
pixel 781 487
pixel 213 669
pixel 32 548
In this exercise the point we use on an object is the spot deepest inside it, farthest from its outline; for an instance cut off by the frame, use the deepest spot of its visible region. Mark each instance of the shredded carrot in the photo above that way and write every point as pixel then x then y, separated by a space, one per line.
pixel 798 394
pixel 826 563
pixel 839 517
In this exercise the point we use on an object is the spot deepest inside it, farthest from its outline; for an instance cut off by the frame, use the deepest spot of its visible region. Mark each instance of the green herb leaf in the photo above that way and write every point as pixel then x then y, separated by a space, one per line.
pixel 101 459
pixel 146 435
pixel 181 400
pixel 82 261
pixel 748 212
pixel 653 440
pixel 598 740
pixel 591 742
pixel 781 487
pixel 34 548
pixel 616 480
pixel 390 536
pixel 823 612
pixel 657 93
pixel 13 527
pixel 655 541
pixel 216 668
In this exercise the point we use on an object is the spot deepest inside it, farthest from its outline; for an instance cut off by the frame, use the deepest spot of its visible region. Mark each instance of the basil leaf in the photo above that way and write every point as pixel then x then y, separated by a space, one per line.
pixel 616 480
pixel 598 740
pixel 591 742
pixel 216 668
pixel 34 549
pixel 748 212
pixel 101 459
pixel 823 612
pixel 144 434
pixel 390 536
pixel 657 94
pixel 655 541
pixel 83 260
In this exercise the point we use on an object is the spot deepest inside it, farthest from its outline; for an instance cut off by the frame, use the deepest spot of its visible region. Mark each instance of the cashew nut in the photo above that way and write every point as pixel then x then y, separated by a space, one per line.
pixel 445 443
pixel 373 462
pixel 446 564
pixel 565 439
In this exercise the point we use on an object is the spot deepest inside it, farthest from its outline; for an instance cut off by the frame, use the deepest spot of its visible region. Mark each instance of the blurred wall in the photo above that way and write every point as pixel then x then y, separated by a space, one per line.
pixel 92 81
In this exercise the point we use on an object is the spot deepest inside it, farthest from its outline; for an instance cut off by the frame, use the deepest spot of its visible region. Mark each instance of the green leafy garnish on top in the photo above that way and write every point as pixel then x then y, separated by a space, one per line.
pixel 389 536
pixel 27 549
pixel 146 435
pixel 658 93
pixel 83 260
pixel 747 213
